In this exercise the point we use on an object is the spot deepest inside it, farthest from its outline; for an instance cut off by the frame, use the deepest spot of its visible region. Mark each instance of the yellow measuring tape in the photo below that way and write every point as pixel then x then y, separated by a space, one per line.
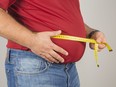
pixel 73 38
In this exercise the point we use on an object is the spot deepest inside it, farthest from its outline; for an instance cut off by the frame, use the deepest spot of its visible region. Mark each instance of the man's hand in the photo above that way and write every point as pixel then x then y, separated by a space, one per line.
pixel 100 38
pixel 39 42
pixel 43 46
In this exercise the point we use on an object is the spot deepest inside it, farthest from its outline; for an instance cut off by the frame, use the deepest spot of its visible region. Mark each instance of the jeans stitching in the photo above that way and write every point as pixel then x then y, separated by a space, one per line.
pixel 20 72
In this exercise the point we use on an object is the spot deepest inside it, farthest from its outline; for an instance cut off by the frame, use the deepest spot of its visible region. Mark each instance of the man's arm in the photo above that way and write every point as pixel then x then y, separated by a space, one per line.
pixel 88 29
pixel 98 36
pixel 14 31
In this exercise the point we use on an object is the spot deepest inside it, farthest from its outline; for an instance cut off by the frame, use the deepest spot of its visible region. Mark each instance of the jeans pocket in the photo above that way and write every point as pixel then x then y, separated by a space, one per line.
pixel 30 65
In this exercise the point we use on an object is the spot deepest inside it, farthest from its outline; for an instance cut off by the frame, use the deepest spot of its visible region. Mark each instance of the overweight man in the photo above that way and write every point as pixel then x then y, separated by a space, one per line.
pixel 34 58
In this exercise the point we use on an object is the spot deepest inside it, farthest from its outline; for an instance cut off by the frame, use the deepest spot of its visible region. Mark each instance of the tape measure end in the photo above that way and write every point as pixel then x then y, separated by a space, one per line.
pixel 110 50
pixel 97 65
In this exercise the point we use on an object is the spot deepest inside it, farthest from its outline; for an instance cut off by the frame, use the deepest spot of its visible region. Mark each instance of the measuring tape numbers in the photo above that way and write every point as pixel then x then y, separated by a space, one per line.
pixel 74 38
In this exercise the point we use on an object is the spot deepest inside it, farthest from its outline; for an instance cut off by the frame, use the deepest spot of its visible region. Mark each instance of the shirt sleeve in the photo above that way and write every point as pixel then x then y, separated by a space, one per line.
pixel 4 4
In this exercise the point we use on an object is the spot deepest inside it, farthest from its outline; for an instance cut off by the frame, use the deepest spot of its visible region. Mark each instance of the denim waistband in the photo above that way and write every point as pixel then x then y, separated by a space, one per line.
pixel 20 52
pixel 23 53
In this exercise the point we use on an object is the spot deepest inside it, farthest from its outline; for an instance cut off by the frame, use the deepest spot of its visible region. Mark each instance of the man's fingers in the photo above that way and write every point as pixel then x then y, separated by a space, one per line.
pixel 59 49
pixel 101 40
pixel 45 58
pixel 92 45
pixel 52 59
pixel 54 33
pixel 100 46
pixel 49 58
pixel 56 56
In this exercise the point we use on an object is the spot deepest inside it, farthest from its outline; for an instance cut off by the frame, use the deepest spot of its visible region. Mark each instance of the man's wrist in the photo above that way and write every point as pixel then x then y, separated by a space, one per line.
pixel 91 33
pixel 31 40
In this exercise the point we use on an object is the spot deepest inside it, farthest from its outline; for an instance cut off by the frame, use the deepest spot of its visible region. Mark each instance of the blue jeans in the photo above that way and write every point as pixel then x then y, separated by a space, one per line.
pixel 25 69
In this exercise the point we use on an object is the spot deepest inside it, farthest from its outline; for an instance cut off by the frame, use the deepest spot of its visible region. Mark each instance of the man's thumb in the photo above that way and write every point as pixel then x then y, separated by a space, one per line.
pixel 54 33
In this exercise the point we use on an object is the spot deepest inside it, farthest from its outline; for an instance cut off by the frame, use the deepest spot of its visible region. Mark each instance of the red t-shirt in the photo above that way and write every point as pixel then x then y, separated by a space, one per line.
pixel 50 15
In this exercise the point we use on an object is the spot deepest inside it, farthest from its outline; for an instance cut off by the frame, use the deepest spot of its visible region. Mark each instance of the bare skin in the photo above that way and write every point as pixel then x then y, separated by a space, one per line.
pixel 12 30
pixel 98 36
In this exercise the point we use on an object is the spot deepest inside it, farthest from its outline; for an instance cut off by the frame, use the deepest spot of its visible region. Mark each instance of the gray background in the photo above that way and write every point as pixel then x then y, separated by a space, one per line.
pixel 100 14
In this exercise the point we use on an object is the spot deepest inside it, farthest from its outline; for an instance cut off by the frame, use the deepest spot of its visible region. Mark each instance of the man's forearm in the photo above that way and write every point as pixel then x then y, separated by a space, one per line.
pixel 14 31
pixel 88 29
